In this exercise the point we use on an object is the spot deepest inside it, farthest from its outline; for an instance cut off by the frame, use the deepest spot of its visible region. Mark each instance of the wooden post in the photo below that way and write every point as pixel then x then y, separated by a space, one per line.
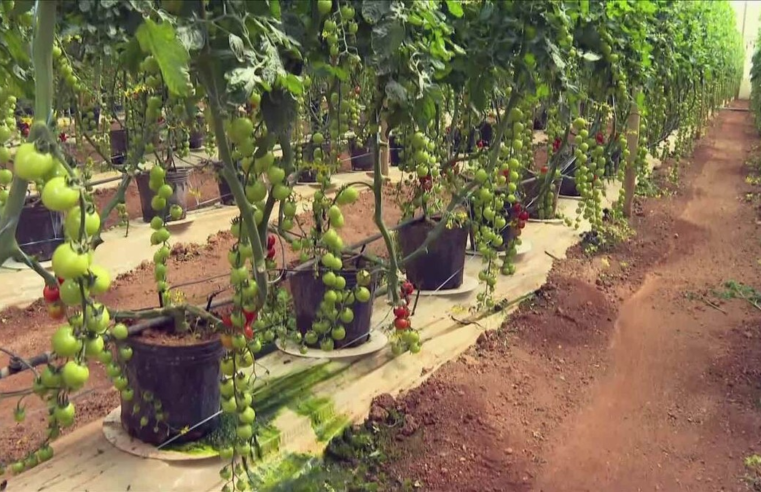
pixel 384 154
pixel 630 176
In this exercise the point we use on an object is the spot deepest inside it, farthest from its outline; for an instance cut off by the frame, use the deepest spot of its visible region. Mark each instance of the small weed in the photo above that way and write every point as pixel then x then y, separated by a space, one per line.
pixel 753 472
pixel 738 290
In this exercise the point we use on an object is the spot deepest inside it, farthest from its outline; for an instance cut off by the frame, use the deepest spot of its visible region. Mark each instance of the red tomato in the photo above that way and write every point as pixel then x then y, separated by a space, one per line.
pixel 250 316
pixel 523 216
pixel 57 310
pixel 600 138
pixel 556 144
pixel 63 137
pixel 407 287
pixel 401 323
pixel 517 207
pixel 270 253
pixel 271 241
pixel 544 170
pixel 226 320
pixel 51 294
pixel 248 332
pixel 401 311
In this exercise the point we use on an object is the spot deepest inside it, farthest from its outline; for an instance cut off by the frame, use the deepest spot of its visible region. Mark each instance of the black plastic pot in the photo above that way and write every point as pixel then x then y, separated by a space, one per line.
pixel 39 231
pixel 308 291
pixel 531 191
pixel 307 176
pixel 361 159
pixel 118 139
pixel 179 179
pixel 225 193
pixel 394 150
pixel 196 139
pixel 540 119
pixel 443 265
pixel 185 379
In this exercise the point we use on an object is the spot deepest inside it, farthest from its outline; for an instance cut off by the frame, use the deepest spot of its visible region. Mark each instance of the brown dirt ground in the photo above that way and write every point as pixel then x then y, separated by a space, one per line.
pixel 27 331
pixel 617 377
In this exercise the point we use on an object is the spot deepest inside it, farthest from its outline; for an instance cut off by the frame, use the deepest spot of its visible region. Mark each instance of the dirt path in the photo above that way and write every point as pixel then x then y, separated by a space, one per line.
pixel 573 397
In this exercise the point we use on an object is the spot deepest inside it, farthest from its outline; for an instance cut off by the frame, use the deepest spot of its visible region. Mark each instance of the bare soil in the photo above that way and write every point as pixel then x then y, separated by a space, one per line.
pixel 620 375
pixel 195 270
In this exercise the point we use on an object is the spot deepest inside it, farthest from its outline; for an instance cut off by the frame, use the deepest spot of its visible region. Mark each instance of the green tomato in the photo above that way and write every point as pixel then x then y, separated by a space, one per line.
pixel 57 195
pixel 158 203
pixel 74 375
pixel 94 346
pixel 64 343
pixel 338 333
pixel 50 378
pixel 228 405
pixel 276 175
pixel 165 191
pixel 362 294
pixel 64 414
pixel 241 129
pixel 281 192
pixel 120 331
pixel 74 220
pixel 256 192
pixel 101 280
pixel 263 163
pixel 125 353
pixel 31 165
pixel 6 176
pixel 175 211
pixel 244 432
pixel 347 316
pixel 70 293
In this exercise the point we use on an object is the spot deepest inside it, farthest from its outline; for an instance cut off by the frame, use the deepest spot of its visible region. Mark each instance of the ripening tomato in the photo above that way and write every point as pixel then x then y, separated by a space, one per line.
pixel 248 332
pixel 56 310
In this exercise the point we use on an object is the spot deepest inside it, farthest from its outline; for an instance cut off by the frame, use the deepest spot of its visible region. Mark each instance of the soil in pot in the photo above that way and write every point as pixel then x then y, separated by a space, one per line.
pixel 308 291
pixel 39 231
pixel 531 200
pixel 183 378
pixel 440 268
pixel 179 178
pixel 118 137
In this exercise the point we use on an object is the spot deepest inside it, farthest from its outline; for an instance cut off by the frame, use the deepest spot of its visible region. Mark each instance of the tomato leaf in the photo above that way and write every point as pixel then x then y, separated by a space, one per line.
pixel 162 42
pixel 591 57
pixel 191 37
pixel 236 46
pixel 373 10
pixel 293 84
pixel 396 92
pixel 455 8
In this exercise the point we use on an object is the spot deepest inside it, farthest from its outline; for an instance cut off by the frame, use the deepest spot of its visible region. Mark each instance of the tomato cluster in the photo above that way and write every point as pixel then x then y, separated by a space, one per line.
pixel 405 337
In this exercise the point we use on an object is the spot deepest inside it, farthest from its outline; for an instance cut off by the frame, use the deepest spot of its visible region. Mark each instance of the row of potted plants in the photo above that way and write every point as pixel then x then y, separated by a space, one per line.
pixel 458 86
